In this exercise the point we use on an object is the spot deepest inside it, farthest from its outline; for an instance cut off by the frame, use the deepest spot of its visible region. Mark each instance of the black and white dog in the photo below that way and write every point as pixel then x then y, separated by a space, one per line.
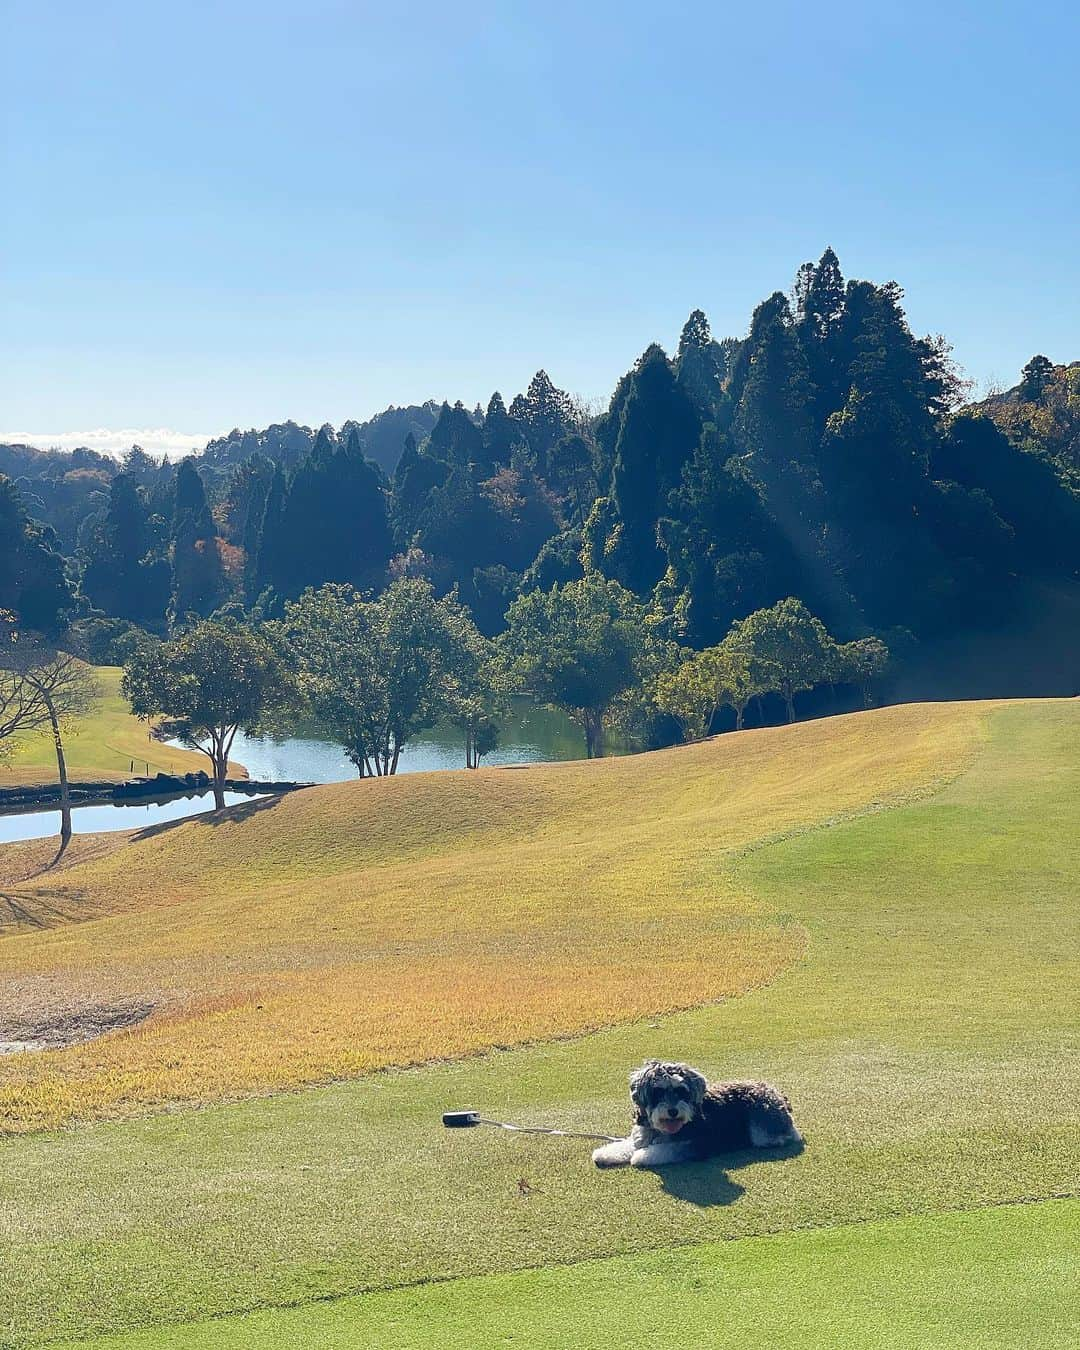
pixel 678 1117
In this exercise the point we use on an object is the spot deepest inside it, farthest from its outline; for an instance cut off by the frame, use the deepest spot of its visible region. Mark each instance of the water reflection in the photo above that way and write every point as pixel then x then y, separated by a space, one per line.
pixel 111 816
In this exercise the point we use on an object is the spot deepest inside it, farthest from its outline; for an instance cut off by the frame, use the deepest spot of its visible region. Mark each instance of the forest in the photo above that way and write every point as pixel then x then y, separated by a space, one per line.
pixel 829 461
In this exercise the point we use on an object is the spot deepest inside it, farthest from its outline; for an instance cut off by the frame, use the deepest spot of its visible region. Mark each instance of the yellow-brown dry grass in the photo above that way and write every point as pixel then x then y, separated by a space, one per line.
pixel 361 925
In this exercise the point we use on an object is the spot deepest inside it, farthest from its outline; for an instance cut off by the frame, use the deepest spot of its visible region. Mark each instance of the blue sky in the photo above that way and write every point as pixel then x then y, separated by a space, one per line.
pixel 236 213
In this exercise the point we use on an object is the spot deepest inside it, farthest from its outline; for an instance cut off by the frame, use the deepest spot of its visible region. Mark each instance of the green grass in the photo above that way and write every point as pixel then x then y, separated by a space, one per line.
pixel 928 1040
pixel 100 747
pixel 993 1277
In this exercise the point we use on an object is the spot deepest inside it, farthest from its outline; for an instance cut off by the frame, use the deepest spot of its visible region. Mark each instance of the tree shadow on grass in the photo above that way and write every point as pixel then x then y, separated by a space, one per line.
pixel 241 811
pixel 38 909
pixel 707 1184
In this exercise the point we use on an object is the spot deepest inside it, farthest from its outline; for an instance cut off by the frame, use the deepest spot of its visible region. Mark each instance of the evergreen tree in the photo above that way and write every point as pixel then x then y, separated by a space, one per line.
pixel 1034 378
pixel 875 458
pixel 500 434
pixel 819 320
pixel 572 474
pixel 455 438
pixel 124 576
pixel 659 429
pixel 265 559
pixel 701 367
pixel 725 556
pixel 191 512
pixel 417 475
pixel 198 584
pixel 1042 514
pixel 334 523
pixel 32 583
pixel 546 414
pixel 606 431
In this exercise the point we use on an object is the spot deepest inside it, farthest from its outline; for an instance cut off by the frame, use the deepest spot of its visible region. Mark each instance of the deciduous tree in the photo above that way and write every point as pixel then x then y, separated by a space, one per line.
pixel 43 688
pixel 209 682
pixel 377 672
pixel 789 650
pixel 579 647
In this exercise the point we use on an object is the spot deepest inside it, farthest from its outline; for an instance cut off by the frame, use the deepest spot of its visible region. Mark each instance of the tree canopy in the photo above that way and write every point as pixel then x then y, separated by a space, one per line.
pixel 212 680
pixel 378 671
pixel 579 647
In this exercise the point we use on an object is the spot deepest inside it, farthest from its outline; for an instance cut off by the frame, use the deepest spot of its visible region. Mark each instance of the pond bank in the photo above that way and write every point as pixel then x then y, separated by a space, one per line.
pixel 161 788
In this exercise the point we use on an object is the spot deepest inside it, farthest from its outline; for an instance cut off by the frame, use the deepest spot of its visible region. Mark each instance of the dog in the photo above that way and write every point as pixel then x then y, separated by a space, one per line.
pixel 679 1117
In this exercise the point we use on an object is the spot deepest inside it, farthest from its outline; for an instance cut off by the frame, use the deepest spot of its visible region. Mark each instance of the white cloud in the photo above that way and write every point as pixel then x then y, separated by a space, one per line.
pixel 154 440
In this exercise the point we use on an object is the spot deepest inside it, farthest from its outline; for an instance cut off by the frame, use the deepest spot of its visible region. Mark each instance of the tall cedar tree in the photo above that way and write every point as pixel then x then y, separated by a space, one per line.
pixel 500 434
pixel 819 320
pixel 658 432
pixel 776 449
pixel 546 414
pixel 263 558
pixel 32 584
pixel 122 577
pixel 701 368
pixel 198 576
pixel 417 475
pixel 726 557
pixel 455 438
pixel 334 522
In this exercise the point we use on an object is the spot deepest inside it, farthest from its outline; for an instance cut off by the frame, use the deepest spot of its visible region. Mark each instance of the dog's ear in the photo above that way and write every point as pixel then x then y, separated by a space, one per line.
pixel 695 1085
pixel 638 1079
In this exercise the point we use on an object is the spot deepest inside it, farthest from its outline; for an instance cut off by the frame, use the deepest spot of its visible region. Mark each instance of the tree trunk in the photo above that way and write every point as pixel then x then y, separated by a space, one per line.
pixel 740 711
pixel 594 733
pixel 219 759
pixel 61 768
pixel 789 700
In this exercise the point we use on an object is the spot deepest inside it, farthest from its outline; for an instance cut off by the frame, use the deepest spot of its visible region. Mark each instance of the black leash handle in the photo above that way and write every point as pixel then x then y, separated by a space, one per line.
pixel 459 1120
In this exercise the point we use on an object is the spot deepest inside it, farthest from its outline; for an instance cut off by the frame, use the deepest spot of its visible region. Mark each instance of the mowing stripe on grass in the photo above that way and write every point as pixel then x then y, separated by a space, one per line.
pixel 1003 1277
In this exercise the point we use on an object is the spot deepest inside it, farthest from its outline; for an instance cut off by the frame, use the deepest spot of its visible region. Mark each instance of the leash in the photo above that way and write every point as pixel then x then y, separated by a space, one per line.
pixel 461 1120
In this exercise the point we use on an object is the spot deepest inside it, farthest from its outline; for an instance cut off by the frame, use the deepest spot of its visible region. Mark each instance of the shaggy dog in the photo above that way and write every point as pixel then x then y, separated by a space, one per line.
pixel 681 1118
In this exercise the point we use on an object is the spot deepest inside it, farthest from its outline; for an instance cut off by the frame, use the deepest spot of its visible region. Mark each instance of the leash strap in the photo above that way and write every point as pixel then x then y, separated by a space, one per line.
pixel 539 1129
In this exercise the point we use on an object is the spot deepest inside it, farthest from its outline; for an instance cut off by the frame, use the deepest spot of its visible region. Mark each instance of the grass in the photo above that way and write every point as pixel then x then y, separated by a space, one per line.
pixel 993 1277
pixel 927 1038
pixel 391 922
pixel 99 748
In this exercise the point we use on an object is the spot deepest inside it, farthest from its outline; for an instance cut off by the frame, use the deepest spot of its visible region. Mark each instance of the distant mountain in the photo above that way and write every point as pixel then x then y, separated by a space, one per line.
pixel 382 436
pixel 287 443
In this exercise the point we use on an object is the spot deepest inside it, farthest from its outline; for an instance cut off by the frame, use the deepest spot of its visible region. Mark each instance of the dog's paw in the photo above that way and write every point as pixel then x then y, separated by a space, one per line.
pixel 641 1157
pixel 611 1155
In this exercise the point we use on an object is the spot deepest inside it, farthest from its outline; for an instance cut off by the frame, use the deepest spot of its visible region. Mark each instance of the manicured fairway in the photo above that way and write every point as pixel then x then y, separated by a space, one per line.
pixel 388 922
pixel 928 1039
pixel 100 747
pixel 1001 1277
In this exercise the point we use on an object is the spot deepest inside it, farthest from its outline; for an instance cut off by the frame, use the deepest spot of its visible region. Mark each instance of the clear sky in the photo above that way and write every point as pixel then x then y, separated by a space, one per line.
pixel 236 213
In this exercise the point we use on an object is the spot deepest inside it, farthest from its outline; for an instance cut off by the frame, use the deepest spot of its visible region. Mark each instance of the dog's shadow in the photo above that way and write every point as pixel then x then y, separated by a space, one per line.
pixel 707 1184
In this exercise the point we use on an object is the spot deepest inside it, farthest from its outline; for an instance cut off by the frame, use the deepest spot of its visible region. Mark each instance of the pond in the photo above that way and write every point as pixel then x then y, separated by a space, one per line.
pixel 529 735
pixel 111 816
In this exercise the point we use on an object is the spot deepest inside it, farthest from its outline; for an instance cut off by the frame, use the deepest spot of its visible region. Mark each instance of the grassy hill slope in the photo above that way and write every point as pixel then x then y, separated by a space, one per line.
pixel 927 1038
pixel 101 747
pixel 388 922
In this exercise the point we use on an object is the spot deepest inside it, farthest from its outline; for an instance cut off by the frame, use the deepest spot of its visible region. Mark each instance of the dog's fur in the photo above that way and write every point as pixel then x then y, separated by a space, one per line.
pixel 678 1117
